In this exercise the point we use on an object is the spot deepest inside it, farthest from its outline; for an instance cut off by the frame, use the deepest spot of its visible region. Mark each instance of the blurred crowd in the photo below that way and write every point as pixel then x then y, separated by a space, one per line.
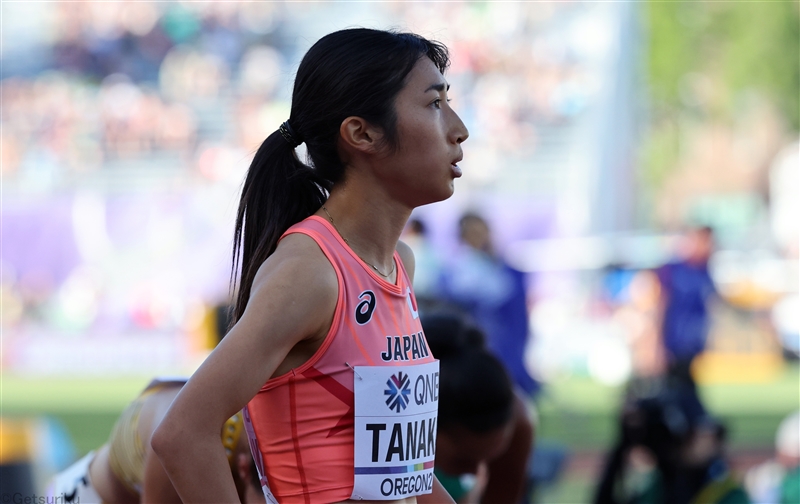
pixel 130 80
pixel 112 109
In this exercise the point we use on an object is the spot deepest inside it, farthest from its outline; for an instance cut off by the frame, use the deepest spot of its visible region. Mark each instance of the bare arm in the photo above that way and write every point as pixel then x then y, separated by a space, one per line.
pixel 438 496
pixel 292 301
pixel 157 487
pixel 507 473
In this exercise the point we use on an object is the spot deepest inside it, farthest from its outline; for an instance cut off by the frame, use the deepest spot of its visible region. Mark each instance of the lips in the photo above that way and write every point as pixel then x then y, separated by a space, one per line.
pixel 454 166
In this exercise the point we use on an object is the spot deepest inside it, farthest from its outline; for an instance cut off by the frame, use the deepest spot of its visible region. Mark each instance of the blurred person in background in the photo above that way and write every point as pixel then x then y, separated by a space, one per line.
pixel 325 282
pixel 686 290
pixel 428 263
pixel 778 480
pixel 478 281
pixel 125 470
pixel 667 452
pixel 632 297
pixel 485 433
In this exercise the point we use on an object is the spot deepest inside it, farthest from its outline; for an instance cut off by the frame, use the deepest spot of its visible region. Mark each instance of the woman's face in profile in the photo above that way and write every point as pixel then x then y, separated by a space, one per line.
pixel 460 450
pixel 423 167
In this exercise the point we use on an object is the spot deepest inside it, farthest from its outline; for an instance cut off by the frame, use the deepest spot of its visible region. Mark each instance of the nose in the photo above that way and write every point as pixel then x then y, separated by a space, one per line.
pixel 459 131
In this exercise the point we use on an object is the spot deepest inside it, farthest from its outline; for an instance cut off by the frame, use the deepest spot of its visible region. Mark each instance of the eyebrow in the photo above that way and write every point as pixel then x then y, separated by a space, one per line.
pixel 438 87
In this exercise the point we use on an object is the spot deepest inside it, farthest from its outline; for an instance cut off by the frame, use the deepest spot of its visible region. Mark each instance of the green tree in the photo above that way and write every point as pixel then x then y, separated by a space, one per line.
pixel 735 47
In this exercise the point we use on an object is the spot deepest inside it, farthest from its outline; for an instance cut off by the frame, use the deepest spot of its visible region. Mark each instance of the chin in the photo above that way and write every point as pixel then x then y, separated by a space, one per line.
pixel 439 196
pixel 427 195
pixel 451 188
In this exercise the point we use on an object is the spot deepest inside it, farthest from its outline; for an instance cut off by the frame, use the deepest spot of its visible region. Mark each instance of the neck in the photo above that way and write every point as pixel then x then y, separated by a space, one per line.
pixel 369 220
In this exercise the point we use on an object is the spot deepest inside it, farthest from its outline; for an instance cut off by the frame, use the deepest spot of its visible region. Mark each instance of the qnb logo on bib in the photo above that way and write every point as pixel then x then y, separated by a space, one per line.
pixel 394 428
pixel 365 307
pixel 398 391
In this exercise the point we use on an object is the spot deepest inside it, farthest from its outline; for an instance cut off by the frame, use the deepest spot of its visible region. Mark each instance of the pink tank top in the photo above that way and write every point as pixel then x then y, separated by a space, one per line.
pixel 300 424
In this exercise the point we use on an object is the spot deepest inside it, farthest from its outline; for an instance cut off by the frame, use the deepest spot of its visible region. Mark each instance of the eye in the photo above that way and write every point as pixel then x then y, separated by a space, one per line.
pixel 437 103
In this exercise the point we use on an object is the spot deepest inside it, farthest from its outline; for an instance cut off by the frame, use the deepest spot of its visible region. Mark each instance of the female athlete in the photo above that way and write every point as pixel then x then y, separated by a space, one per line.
pixel 326 351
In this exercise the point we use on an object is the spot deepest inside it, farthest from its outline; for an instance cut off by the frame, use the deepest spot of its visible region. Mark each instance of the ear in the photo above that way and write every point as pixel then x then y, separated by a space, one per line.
pixel 358 134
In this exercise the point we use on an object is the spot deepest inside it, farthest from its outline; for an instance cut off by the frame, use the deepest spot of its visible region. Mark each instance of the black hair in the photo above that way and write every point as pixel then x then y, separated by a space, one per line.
pixel 475 391
pixel 354 72
pixel 450 332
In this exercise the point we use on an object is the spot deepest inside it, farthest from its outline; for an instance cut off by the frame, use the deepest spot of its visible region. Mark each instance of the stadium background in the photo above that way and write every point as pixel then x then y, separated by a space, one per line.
pixel 598 130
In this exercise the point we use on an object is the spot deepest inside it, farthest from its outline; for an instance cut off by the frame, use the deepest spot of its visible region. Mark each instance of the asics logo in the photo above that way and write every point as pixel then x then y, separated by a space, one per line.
pixel 365 307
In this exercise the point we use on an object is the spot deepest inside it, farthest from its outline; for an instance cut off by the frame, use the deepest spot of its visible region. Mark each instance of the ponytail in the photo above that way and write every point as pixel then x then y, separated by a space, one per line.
pixel 279 191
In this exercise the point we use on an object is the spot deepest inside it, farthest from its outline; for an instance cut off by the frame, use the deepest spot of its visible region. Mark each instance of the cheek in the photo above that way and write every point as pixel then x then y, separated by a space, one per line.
pixel 421 134
pixel 416 146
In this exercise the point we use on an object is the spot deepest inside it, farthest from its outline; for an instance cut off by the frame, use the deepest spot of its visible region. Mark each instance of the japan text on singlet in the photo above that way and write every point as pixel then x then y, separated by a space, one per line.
pixel 358 420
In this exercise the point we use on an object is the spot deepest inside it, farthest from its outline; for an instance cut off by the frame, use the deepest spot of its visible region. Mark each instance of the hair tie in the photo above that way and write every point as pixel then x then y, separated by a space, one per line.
pixel 288 133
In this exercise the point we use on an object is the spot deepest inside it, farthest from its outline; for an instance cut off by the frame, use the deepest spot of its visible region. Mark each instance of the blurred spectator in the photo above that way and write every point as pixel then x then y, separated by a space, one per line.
pixel 667 453
pixel 778 480
pixel 137 122
pixel 686 289
pixel 485 435
pixel 428 264
pixel 494 293
pixel 633 297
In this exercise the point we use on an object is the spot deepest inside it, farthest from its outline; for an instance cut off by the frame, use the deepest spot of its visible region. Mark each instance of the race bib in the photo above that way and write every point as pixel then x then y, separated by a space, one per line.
pixel 395 430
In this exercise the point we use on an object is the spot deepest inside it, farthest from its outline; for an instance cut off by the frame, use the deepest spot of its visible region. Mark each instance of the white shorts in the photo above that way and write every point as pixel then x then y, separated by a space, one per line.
pixel 73 485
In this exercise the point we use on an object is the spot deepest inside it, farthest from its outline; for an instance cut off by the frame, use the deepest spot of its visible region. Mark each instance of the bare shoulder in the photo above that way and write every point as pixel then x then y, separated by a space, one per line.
pixel 296 282
pixel 298 264
pixel 407 255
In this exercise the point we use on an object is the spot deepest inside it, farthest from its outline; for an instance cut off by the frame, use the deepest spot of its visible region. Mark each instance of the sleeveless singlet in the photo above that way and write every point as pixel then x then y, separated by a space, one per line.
pixel 301 424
